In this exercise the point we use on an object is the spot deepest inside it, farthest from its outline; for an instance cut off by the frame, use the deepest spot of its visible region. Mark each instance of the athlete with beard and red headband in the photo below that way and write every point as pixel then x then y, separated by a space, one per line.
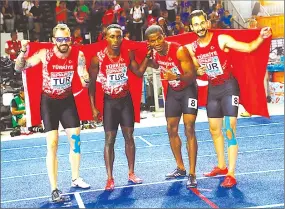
pixel 211 55
pixel 110 67
pixel 178 74
pixel 60 63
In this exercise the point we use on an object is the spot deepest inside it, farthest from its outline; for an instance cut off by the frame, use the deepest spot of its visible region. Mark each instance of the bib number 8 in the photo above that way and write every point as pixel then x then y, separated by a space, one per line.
pixel 192 103
pixel 235 100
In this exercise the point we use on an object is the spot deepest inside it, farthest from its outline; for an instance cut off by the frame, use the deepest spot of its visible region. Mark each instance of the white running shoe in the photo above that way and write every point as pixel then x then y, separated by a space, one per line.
pixel 80 183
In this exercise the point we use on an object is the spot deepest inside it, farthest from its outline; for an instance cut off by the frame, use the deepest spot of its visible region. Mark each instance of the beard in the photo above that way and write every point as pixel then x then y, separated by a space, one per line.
pixel 204 35
pixel 63 48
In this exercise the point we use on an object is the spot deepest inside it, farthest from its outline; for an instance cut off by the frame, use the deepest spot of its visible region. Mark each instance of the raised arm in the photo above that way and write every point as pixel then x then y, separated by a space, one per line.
pixel 137 69
pixel 23 63
pixel 82 71
pixel 227 41
pixel 93 72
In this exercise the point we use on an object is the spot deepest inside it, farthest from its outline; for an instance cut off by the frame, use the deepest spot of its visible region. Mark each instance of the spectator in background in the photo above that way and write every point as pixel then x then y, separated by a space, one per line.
pixel 127 35
pixel 61 12
pixel 117 6
pixel 185 6
pixel 153 7
pixel 214 24
pixel 81 13
pixel 95 22
pixel 18 112
pixel 26 6
pixel 214 16
pixel 227 19
pixel 177 18
pixel 252 23
pixel 179 28
pixel 165 28
pixel 122 19
pixel 137 18
pixel 220 10
pixel 76 39
pixel 186 28
pixel 185 15
pixel 171 7
pixel 13 46
pixel 109 16
pixel 37 13
pixel 150 20
pixel 102 34
pixel 8 16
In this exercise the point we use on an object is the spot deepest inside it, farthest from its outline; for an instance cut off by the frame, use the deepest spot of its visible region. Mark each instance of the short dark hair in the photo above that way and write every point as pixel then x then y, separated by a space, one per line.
pixel 13 33
pixel 153 29
pixel 116 26
pixel 197 13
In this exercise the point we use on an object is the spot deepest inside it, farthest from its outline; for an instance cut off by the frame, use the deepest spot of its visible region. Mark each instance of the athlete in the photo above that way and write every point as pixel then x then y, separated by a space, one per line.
pixel 211 56
pixel 177 70
pixel 110 67
pixel 60 63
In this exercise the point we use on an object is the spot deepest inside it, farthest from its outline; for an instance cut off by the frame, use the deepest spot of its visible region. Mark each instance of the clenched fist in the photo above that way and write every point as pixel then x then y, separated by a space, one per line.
pixel 24 44
pixel 265 32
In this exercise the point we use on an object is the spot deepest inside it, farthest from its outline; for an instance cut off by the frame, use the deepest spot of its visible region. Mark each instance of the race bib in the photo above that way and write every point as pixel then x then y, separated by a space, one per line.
pixel 61 80
pixel 214 67
pixel 117 79
pixel 235 100
pixel 192 103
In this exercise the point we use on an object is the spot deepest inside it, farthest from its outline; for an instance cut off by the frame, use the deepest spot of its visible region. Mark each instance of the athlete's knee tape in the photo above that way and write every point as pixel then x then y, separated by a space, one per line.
pixel 229 131
pixel 77 143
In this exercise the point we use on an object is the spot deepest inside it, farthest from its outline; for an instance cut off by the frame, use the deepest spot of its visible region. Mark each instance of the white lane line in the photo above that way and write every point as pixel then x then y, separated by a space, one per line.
pixel 150 145
pixel 79 200
pixel 94 140
pixel 141 162
pixel 268 206
pixel 144 140
pixel 143 184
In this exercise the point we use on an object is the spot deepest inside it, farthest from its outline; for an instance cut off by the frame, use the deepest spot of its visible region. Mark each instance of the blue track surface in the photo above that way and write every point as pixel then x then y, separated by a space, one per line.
pixel 259 172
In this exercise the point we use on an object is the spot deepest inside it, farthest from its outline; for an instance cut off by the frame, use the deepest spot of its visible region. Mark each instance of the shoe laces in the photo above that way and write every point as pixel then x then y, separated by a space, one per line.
pixel 56 193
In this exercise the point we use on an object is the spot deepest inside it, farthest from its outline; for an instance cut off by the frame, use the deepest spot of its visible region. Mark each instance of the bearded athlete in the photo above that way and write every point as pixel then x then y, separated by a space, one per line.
pixel 211 55
pixel 60 63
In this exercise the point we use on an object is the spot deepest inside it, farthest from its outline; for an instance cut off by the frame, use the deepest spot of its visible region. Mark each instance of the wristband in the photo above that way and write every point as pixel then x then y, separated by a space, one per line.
pixel 23 51
pixel 148 56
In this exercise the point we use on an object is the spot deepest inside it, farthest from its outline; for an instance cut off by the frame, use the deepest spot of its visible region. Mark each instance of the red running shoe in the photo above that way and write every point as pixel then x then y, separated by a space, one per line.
pixel 229 182
pixel 216 171
pixel 134 179
pixel 110 185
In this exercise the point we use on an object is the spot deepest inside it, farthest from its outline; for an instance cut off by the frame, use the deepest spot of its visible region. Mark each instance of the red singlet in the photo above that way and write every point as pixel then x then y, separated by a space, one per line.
pixel 58 74
pixel 218 62
pixel 113 74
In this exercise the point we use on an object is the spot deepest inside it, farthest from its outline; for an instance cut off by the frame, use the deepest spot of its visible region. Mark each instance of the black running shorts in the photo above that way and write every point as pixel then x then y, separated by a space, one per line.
pixel 223 100
pixel 55 110
pixel 184 101
pixel 118 111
